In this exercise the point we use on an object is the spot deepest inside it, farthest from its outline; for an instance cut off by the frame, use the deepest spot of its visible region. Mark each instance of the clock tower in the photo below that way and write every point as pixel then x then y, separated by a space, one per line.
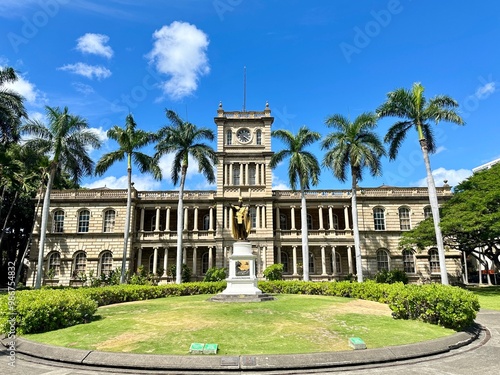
pixel 244 151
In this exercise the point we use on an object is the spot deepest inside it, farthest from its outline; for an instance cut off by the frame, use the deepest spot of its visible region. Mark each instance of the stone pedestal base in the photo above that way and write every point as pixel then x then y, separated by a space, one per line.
pixel 242 282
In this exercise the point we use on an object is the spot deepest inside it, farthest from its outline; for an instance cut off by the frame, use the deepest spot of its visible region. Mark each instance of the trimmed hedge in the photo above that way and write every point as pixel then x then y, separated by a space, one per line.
pixel 45 310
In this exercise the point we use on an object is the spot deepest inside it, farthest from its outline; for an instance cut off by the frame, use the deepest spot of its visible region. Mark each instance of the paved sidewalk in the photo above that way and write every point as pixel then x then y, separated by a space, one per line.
pixel 211 364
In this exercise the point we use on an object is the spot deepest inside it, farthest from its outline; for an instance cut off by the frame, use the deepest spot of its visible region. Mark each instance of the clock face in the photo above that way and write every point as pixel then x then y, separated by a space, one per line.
pixel 243 135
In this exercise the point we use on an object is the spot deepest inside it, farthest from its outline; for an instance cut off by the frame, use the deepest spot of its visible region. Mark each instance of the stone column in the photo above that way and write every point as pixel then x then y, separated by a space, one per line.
pixel 330 218
pixel 349 259
pixel 211 218
pixel 323 261
pixel 165 262
pixel 139 258
pixel 257 177
pixel 278 254
pixel 195 256
pixel 167 225
pixel 264 259
pixel 278 218
pixel 231 182
pixel 246 174
pixel 195 225
pixel 320 213
pixel 184 255
pixel 241 174
pixel 292 214
pixel 230 218
pixel 334 261
pixel 346 217
pixel 141 225
pixel 263 174
pixel 185 218
pixel 155 260
pixel 210 257
pixel 264 217
pixel 224 261
pixel 157 219
pixel 294 251
pixel 257 217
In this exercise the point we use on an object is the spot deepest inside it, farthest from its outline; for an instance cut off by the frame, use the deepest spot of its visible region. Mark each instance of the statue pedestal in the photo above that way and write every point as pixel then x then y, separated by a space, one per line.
pixel 242 282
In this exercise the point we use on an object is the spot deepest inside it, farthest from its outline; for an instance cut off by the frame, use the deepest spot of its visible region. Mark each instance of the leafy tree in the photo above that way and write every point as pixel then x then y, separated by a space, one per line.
pixel 11 108
pixel 130 140
pixel 353 145
pixel 66 138
pixel 416 112
pixel 184 139
pixel 303 170
pixel 470 219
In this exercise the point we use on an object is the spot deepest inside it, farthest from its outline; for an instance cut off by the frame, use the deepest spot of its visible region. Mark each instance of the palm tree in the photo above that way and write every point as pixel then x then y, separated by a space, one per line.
pixel 416 112
pixel 66 138
pixel 183 140
pixel 354 145
pixel 129 140
pixel 303 169
pixel 11 108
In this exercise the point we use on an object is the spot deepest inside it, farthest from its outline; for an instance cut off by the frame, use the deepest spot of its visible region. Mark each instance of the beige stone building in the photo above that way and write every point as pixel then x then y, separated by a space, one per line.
pixel 86 228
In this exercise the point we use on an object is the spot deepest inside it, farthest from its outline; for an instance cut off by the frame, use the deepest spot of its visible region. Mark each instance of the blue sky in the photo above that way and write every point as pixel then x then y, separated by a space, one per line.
pixel 308 59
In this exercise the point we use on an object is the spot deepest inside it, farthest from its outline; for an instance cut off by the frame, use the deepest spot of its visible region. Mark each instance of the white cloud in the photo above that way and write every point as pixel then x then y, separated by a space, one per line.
pixel 27 90
pixel 141 182
pixel 82 88
pixel 279 184
pixel 94 44
pixel 166 162
pixel 101 134
pixel 454 177
pixel 486 90
pixel 439 149
pixel 89 71
pixel 179 51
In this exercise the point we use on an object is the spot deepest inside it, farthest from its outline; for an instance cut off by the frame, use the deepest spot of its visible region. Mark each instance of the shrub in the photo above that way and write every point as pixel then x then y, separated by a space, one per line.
pixel 47 309
pixel 274 272
pixel 185 273
pixel 215 274
pixel 391 277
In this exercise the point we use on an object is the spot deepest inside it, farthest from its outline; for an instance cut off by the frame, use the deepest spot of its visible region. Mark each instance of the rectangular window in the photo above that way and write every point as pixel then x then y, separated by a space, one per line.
pixel 236 174
pixel 83 221
pixel 109 221
pixel 379 219
pixel 229 137
pixel 434 261
pixel 404 219
pixel 408 262
pixel 251 174
pixel 59 221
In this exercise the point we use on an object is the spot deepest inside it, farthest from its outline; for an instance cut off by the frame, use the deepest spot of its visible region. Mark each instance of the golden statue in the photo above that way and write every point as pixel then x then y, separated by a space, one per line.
pixel 241 224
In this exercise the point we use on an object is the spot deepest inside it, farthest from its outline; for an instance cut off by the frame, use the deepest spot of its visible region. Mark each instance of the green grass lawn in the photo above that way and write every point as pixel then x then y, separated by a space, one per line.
pixel 489 296
pixel 290 324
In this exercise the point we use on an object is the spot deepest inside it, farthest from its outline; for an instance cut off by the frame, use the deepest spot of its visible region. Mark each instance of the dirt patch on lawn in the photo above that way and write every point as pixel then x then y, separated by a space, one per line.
pixel 359 306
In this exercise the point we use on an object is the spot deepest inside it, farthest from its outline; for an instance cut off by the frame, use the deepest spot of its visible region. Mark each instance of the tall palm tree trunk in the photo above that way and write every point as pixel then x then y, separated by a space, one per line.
pixel 180 227
pixel 355 228
pixel 126 230
pixel 43 225
pixel 6 221
pixel 305 243
pixel 435 212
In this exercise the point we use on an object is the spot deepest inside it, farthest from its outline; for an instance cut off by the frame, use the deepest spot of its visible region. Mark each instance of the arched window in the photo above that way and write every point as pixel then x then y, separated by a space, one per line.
pixel 335 222
pixel 258 136
pixel 404 218
pixel 109 221
pixel 59 221
pixel 283 222
pixel 206 222
pixel 285 261
pixel 83 221
pixel 229 137
pixel 427 212
pixel 252 212
pixel 379 218
pixel 309 222
pixel 338 264
pixel 434 261
pixel 408 261
pixel 205 262
pixel 54 264
pixel 79 264
pixel 382 260
pixel 105 263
